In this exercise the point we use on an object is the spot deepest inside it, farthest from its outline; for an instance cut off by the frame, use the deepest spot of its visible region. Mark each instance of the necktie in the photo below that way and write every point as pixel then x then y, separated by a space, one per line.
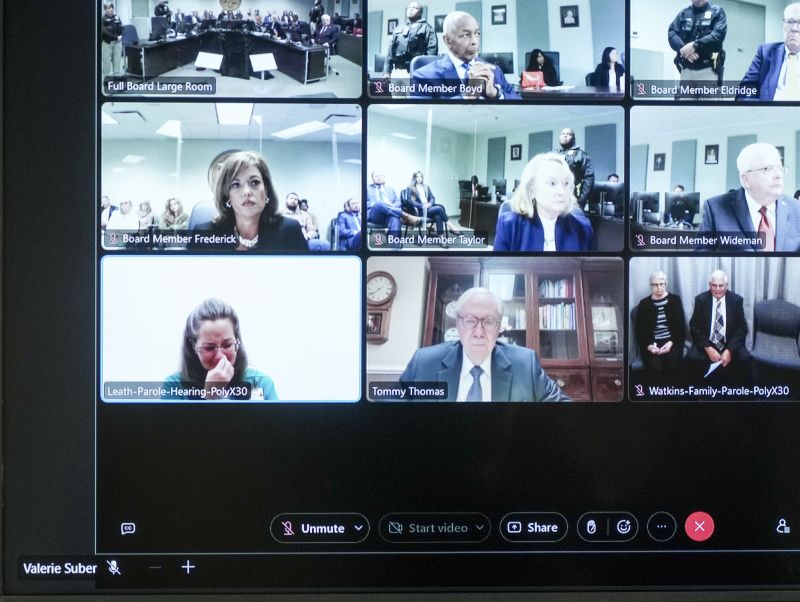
pixel 717 338
pixel 475 392
pixel 769 234
pixel 792 73
pixel 466 72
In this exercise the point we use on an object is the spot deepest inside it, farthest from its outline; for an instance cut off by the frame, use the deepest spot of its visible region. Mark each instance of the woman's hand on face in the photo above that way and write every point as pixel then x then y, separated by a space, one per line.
pixel 222 373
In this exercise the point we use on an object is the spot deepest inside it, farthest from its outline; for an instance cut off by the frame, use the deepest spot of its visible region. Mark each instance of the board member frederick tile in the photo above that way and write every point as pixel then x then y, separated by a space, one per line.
pixel 477 367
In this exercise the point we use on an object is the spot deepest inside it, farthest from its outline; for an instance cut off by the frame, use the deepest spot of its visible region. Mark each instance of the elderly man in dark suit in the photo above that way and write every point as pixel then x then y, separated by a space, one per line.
pixel 758 209
pixel 776 66
pixel 477 367
pixel 460 73
pixel 719 330
pixel 327 34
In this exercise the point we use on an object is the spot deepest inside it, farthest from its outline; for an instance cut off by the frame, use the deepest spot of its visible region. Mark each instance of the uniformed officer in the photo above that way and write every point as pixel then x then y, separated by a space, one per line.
pixel 579 164
pixel 315 15
pixel 415 38
pixel 696 35
pixel 162 10
pixel 111 34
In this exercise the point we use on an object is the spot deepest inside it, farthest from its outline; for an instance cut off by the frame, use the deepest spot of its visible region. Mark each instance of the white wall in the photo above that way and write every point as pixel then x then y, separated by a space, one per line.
pixel 451 157
pixel 574 43
pixel 775 125
pixel 494 38
pixel 408 312
pixel 513 169
pixel 302 167
pixel 305 333
pixel 650 21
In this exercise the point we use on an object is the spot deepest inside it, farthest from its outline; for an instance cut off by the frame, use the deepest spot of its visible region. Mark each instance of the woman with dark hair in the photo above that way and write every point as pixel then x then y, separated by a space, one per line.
pixel 609 72
pixel 174 217
pixel 248 207
pixel 213 357
pixel 419 198
pixel 539 61
pixel 541 214
pixel 476 187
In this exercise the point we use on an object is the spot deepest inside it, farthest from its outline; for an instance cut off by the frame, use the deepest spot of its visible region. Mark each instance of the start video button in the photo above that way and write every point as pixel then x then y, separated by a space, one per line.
pixel 435 527
pixel 520 527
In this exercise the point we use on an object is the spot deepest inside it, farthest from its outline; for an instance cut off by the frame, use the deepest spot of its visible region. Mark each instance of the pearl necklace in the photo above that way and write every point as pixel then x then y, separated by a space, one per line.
pixel 247 243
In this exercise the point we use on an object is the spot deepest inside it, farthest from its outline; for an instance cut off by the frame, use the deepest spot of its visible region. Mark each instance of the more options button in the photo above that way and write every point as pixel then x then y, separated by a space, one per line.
pixel 434 527
pixel 518 527
pixel 345 527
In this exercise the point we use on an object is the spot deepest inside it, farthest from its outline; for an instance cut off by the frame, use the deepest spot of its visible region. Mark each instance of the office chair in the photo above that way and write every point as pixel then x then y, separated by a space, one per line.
pixel 590 79
pixel 202 212
pixel 555 58
pixel 776 328
pixel 420 61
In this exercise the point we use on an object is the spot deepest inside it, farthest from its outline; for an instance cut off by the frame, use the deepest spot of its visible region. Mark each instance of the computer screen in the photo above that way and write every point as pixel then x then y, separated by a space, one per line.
pixel 259 338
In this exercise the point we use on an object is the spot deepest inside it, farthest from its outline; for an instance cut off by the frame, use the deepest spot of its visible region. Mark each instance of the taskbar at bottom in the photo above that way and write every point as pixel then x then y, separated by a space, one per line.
pixel 389 571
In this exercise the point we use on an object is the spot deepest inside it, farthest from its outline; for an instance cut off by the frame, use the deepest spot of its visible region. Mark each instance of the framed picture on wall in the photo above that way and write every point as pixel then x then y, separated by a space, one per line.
pixel 438 23
pixel 516 152
pixel 712 154
pixel 659 161
pixel 499 14
pixel 569 16
pixel 391 25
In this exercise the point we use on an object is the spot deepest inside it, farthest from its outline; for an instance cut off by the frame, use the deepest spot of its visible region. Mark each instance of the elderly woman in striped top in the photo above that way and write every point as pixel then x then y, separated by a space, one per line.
pixel 661 329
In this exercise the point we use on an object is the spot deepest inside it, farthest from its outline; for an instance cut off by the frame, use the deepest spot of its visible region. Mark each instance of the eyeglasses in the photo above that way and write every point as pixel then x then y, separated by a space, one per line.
pixel 212 349
pixel 790 23
pixel 472 322
pixel 769 168
pixel 657 284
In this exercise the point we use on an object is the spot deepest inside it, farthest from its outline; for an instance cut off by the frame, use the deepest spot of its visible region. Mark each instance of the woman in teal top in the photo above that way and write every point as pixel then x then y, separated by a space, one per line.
pixel 214 362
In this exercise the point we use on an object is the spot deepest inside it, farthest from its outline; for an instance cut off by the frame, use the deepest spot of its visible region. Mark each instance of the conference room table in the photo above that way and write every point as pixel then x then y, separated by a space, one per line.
pixel 573 93
pixel 302 63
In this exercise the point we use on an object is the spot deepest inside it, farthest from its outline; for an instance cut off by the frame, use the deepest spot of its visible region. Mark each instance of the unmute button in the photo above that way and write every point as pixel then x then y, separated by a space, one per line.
pixel 434 527
pixel 319 528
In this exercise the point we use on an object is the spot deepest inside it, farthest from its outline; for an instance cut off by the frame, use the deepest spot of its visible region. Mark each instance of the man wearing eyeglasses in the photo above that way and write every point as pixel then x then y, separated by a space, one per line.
pixel 477 367
pixel 776 67
pixel 757 216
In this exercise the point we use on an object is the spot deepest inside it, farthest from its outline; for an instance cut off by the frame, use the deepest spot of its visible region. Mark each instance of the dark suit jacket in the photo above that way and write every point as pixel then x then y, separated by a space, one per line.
pixel 764 71
pixel 647 316
pixel 735 328
pixel 728 213
pixel 330 35
pixel 284 234
pixel 516 232
pixel 348 225
pixel 373 196
pixel 443 69
pixel 517 374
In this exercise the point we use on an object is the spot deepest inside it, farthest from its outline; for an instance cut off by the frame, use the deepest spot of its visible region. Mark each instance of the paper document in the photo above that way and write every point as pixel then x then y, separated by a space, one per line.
pixel 712 367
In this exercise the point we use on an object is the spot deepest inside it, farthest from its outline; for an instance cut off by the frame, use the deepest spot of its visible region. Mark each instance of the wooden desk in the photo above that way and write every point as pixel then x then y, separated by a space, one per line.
pixel 304 64
pixel 152 59
pixel 578 92
pixel 484 217
pixel 350 47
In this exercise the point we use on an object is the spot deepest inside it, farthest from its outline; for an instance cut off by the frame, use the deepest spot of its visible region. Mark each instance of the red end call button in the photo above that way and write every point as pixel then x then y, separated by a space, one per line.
pixel 699 526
